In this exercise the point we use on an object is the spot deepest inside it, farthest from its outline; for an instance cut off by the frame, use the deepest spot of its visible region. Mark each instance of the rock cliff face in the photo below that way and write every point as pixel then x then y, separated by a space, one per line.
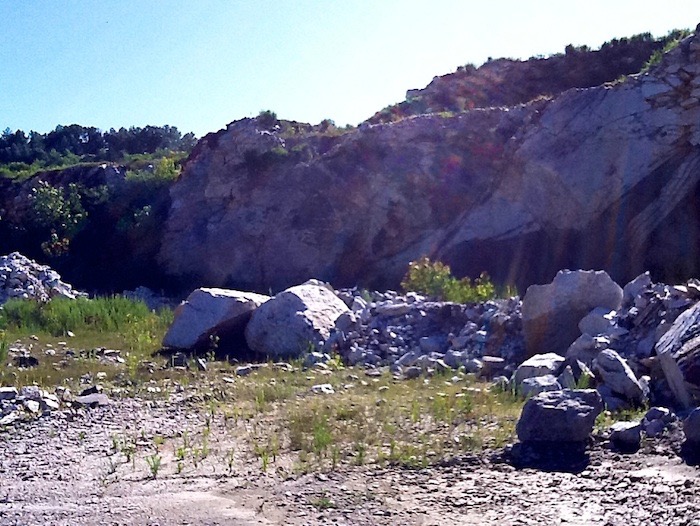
pixel 603 177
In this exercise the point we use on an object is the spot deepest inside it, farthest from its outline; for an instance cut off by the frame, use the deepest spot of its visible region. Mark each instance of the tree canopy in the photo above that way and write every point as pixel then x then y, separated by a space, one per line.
pixel 89 143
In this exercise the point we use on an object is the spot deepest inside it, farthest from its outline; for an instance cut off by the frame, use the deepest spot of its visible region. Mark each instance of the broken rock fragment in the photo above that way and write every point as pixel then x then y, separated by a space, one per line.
pixel 678 350
pixel 613 371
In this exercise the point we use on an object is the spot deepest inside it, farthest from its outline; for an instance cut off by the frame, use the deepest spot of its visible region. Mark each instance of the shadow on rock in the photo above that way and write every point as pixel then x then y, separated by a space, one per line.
pixel 549 456
pixel 690 453
pixel 625 448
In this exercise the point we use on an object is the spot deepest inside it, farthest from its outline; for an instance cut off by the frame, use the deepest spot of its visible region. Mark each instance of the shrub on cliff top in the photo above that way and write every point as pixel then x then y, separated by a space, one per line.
pixel 435 279
pixel 267 119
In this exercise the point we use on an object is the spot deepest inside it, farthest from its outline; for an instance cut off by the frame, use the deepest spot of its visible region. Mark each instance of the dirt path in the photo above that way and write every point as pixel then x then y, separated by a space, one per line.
pixel 70 469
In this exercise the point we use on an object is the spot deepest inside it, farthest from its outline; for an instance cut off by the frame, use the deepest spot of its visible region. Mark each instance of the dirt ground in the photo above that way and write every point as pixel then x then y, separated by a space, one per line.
pixel 66 469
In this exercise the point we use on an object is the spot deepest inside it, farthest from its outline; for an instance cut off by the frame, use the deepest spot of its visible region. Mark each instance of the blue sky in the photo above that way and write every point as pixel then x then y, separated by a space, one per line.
pixel 199 65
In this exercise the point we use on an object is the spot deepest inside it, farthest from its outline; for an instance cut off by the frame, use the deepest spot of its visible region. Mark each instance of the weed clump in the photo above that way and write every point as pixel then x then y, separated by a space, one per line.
pixel 435 279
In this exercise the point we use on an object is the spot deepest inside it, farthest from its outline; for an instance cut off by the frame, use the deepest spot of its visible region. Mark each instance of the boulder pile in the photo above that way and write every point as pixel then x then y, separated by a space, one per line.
pixel 634 345
pixel 407 333
pixel 21 277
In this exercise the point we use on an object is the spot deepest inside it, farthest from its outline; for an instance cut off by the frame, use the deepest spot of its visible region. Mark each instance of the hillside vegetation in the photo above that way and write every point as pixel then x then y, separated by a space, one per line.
pixel 507 82
pixel 83 199
pixel 24 154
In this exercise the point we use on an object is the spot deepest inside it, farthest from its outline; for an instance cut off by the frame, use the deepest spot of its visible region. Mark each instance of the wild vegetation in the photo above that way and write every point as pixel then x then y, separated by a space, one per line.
pixel 435 280
pixel 272 415
pixel 672 41
pixel 507 82
pixel 24 154
pixel 89 325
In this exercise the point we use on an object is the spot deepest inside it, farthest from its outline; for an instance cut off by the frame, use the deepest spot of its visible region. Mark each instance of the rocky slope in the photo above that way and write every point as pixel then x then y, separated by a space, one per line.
pixel 602 177
pixel 507 82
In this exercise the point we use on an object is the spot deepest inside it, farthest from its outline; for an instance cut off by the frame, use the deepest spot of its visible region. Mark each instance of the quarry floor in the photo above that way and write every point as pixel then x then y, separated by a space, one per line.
pixel 68 469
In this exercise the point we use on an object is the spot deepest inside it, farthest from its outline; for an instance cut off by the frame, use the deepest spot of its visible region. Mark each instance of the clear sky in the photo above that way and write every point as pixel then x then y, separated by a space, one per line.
pixel 200 64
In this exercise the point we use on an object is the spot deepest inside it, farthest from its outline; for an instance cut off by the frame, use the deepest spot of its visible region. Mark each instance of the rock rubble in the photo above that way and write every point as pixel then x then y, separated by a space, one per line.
pixel 23 278
pixel 616 351
pixel 388 329
pixel 31 401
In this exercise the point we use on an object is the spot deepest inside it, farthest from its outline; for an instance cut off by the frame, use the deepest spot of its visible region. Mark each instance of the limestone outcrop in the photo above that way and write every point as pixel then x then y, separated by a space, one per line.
pixel 602 177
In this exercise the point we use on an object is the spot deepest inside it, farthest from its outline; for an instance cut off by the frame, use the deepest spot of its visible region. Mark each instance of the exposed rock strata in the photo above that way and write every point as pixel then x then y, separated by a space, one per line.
pixel 603 177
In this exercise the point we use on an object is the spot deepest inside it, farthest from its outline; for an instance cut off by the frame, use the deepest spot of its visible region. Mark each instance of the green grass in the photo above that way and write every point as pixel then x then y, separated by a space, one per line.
pixel 58 316
pixel 271 417
pixel 83 326
pixel 410 423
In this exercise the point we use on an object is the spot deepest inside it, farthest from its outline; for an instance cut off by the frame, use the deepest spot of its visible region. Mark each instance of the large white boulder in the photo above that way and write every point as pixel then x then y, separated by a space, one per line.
pixel 551 313
pixel 210 311
pixel 294 321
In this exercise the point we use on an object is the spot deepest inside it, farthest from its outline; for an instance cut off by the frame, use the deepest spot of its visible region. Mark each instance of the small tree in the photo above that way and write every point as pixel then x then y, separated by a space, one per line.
pixel 165 169
pixel 59 211
pixel 267 119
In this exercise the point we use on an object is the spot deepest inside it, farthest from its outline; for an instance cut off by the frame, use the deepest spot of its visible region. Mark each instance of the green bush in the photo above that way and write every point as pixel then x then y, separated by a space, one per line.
pixel 166 169
pixel 267 119
pixel 61 212
pixel 435 279
pixel 56 208
pixel 673 39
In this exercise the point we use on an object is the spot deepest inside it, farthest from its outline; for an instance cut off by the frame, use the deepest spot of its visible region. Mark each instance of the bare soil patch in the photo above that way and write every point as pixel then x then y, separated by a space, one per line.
pixel 71 468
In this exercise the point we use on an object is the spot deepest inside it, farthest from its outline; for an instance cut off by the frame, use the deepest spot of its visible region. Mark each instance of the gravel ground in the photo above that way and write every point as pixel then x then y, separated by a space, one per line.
pixel 64 469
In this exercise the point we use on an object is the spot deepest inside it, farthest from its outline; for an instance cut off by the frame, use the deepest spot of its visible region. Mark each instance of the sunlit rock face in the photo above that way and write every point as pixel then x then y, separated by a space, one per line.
pixel 602 177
